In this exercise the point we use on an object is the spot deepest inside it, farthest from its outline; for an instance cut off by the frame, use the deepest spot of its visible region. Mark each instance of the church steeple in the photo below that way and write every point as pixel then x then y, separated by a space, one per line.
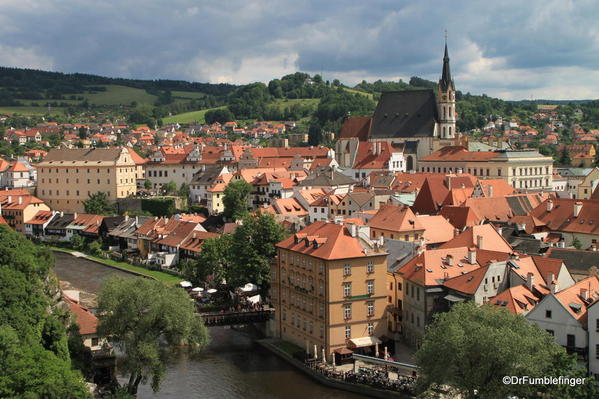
pixel 446 100
pixel 446 80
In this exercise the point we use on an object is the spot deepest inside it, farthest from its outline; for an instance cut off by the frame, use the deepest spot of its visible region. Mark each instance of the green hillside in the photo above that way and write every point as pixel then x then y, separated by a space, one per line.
pixel 189 117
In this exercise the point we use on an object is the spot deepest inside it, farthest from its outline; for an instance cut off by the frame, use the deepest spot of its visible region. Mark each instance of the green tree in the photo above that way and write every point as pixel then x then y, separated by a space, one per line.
pixel 95 248
pixel 148 184
pixel 212 264
pixel 98 204
pixel 564 158
pixel 471 348
pixel 171 187
pixel 235 199
pixel 253 249
pixel 77 242
pixel 576 243
pixel 27 370
pixel 147 320
pixel 54 337
pixel 184 190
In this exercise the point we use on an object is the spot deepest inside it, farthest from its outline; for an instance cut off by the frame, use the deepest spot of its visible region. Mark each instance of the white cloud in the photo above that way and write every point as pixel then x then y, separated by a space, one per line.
pixel 509 48
pixel 19 57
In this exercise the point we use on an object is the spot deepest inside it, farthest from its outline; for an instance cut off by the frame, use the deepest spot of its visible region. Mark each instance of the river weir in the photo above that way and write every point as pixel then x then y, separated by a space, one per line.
pixel 231 366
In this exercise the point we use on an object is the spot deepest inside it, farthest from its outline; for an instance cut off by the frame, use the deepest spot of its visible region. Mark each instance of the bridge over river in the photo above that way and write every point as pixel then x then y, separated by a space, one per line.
pixel 232 366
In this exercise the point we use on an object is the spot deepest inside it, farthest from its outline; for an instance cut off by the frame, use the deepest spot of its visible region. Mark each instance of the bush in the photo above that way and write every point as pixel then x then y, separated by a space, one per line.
pixel 159 206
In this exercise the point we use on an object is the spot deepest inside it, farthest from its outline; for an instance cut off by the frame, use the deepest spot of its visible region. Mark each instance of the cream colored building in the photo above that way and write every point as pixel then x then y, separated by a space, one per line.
pixel 67 177
pixel 329 287
pixel 522 169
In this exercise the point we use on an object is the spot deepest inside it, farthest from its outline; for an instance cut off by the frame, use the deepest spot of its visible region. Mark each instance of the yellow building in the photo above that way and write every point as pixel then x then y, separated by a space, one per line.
pixel 19 206
pixel 67 177
pixel 522 169
pixel 329 287
pixel 396 223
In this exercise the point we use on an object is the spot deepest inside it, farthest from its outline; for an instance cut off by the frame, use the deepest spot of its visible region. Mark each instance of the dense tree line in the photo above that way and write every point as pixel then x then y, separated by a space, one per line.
pixel 34 350
pixel 34 84
pixel 332 110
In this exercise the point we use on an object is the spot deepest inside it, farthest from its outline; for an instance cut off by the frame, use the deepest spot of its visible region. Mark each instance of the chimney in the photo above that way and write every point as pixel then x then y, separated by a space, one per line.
pixel 20 200
pixel 549 279
pixel 136 220
pixel 499 230
pixel 549 205
pixel 9 199
pixel 353 229
pixel 584 294
pixel 456 232
pixel 448 182
pixel 521 226
pixel 472 256
pixel 74 215
pixel 61 214
pixel 479 242
pixel 126 218
pixel 530 280
pixel 490 190
pixel 577 208
pixel 381 241
pixel 450 260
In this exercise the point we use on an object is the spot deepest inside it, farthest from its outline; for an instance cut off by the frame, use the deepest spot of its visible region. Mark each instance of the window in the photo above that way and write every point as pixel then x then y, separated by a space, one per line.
pixel 398 286
pixel 346 289
pixel 548 314
pixel 597 325
pixel 347 269
pixel 370 267
pixel 370 308
pixel 347 311
pixel 597 351
pixel 370 287
pixel 371 329
pixel 417 321
pixel 570 341
pixel 550 332
pixel 347 332
pixel 95 341
pixel 321 268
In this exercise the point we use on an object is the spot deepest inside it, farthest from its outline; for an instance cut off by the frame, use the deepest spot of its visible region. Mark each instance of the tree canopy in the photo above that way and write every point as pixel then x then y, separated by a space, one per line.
pixel 146 320
pixel 471 348
pixel 235 199
pixel 34 355
pixel 98 204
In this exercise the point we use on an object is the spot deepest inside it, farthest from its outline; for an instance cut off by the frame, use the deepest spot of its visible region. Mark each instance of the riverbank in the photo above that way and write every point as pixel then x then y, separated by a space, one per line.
pixel 123 266
pixel 276 347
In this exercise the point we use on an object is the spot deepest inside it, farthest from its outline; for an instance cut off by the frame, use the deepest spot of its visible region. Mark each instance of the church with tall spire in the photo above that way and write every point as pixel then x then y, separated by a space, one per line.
pixel 418 121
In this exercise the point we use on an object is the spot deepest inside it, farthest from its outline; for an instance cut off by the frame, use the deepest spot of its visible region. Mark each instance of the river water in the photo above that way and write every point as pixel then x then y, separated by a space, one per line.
pixel 232 366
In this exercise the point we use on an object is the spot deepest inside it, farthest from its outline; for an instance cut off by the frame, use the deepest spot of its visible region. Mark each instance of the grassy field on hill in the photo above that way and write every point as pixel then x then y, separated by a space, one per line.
pixel 283 103
pixel 369 95
pixel 31 110
pixel 189 117
pixel 120 95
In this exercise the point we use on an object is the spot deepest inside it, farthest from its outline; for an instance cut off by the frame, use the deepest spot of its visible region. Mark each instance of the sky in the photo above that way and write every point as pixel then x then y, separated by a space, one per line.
pixel 511 49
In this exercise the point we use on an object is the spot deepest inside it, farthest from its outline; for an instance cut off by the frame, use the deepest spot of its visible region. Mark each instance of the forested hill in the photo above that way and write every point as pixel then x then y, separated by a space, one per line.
pixel 320 106
pixel 35 82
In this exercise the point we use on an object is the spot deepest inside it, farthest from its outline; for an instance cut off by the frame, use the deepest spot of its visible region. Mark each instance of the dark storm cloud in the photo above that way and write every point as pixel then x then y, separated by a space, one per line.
pixel 505 48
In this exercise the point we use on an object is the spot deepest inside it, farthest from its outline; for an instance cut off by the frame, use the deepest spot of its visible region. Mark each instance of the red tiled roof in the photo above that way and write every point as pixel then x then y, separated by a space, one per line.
pixel 460 216
pixel 88 323
pixel 328 241
pixel 356 126
pixel 561 217
pixel 491 239
pixel 517 299
pixel 460 154
pixel 40 217
pixel 395 218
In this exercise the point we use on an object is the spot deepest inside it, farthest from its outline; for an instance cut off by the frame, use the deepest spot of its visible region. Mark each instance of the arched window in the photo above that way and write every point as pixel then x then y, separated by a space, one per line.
pixel 450 130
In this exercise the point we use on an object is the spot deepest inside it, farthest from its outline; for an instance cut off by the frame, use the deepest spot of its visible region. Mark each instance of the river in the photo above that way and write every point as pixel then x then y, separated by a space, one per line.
pixel 232 366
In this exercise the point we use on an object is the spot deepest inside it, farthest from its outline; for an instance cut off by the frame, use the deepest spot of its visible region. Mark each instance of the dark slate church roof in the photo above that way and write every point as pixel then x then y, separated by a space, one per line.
pixel 410 113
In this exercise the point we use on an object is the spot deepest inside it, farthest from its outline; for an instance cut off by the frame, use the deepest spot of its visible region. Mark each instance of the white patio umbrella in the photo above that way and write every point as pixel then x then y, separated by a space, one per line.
pixel 324 358
pixel 185 284
pixel 315 352
pixel 211 291
pixel 377 349
pixel 197 289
